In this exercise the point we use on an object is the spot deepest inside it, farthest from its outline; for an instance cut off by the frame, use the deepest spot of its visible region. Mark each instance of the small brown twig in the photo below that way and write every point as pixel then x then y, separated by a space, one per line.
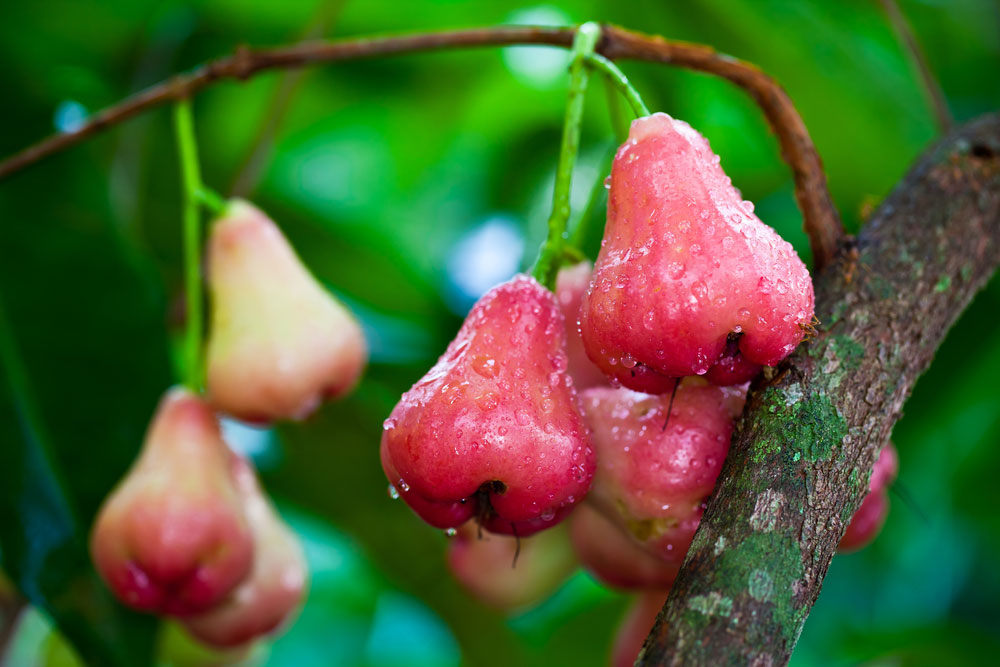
pixel 931 87
pixel 820 218
pixel 288 86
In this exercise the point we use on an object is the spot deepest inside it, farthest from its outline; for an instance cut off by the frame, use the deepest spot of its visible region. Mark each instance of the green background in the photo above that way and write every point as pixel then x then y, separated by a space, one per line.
pixel 376 170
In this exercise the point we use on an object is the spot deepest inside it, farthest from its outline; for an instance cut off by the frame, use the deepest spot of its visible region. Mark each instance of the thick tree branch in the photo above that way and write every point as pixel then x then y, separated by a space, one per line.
pixel 820 218
pixel 804 449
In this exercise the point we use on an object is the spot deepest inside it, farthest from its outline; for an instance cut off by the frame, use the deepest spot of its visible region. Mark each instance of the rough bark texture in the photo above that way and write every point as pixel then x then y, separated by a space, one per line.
pixel 804 450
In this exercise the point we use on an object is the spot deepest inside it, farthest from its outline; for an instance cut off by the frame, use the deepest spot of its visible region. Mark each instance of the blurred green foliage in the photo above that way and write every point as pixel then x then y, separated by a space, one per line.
pixel 375 172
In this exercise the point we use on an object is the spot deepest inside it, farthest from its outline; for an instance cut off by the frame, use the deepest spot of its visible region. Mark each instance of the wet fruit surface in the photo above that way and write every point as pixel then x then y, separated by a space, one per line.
pixel 686 267
pixel 650 467
pixel 493 430
pixel 616 559
pixel 571 288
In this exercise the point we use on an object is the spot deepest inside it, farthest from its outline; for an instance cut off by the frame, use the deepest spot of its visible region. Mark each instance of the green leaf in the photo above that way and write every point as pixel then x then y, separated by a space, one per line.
pixel 43 545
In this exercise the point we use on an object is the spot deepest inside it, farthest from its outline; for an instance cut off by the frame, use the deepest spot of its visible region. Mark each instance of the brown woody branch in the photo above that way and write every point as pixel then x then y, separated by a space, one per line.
pixel 805 446
pixel 820 218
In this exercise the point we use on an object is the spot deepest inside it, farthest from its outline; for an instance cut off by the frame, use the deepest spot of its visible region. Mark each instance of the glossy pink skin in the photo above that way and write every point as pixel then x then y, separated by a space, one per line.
pixel 869 518
pixel 572 283
pixel 608 553
pixel 635 627
pixel 684 263
pixel 498 406
pixel 172 538
pixel 273 591
pixel 279 343
pixel 484 565
pixel 647 473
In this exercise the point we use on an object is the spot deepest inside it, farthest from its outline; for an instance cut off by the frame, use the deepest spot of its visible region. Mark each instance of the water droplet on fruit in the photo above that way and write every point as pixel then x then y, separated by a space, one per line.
pixel 548 514
pixel 727 242
pixel 403 486
pixel 744 313
pixel 485 366
pixel 488 401
pixel 450 532
pixel 393 492
pixel 699 289
pixel 748 206
pixel 628 361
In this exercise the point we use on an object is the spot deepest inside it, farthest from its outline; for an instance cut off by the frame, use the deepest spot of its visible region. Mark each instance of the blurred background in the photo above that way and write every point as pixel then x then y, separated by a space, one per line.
pixel 409 185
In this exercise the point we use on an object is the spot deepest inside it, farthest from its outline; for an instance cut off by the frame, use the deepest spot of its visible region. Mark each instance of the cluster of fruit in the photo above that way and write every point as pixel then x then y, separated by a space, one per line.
pixel 189 532
pixel 633 409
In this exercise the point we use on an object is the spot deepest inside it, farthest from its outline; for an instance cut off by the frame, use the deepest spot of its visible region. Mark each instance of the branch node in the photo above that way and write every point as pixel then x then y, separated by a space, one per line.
pixel 243 62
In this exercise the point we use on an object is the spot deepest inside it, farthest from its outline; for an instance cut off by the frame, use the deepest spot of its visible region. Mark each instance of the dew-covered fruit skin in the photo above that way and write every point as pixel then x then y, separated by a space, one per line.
pixel 493 430
pixel 484 564
pixel 685 263
pixel 868 519
pixel 616 559
pixel 269 596
pixel 172 538
pixel 635 627
pixel 572 283
pixel 648 474
pixel 279 343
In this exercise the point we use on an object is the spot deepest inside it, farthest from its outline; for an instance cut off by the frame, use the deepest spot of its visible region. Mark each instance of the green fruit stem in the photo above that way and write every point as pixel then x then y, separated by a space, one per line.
pixel 578 235
pixel 553 251
pixel 619 125
pixel 618 80
pixel 192 190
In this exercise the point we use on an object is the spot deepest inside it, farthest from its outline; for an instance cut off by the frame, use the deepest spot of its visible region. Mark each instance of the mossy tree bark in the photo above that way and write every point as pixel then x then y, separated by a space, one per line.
pixel 803 452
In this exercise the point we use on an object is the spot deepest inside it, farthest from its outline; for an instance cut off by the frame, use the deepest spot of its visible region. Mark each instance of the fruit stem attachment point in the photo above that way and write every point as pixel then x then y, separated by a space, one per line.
pixel 617 78
pixel 552 251
pixel 187 149
pixel 211 200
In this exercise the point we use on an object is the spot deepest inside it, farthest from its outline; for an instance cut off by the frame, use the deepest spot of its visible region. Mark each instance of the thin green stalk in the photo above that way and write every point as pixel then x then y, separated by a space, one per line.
pixel 553 252
pixel 578 235
pixel 619 125
pixel 211 200
pixel 618 79
pixel 187 149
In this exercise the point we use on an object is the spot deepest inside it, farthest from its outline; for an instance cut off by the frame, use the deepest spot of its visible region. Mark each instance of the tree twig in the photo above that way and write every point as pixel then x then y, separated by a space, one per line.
pixel 820 218
pixel 291 81
pixel 931 87
pixel 804 449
